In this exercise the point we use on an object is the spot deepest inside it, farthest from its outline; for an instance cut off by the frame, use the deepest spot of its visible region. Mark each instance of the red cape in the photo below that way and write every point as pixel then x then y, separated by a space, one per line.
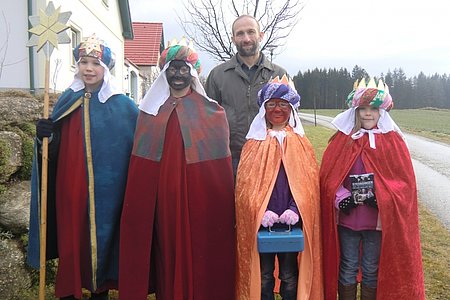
pixel 177 226
pixel 400 274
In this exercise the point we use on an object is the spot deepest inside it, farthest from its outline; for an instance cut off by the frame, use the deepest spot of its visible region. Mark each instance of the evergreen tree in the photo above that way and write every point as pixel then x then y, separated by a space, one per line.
pixel 329 88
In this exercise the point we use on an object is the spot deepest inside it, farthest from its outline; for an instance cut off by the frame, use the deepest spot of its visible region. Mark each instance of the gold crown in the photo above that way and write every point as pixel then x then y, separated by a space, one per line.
pixel 371 85
pixel 284 80
pixel 181 42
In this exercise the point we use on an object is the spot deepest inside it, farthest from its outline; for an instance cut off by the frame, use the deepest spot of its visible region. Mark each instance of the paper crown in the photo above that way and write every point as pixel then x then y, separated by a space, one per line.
pixel 284 79
pixel 280 88
pixel 180 50
pixel 181 42
pixel 95 47
pixel 370 94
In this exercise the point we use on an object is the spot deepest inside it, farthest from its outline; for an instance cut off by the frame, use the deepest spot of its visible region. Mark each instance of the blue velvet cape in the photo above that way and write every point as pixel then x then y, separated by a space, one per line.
pixel 111 126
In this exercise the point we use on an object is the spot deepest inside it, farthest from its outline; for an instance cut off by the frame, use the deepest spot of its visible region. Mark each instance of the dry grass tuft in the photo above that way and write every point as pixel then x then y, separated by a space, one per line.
pixel 15 93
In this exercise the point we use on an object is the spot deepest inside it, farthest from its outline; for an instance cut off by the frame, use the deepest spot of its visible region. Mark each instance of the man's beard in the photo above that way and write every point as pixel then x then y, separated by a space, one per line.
pixel 247 52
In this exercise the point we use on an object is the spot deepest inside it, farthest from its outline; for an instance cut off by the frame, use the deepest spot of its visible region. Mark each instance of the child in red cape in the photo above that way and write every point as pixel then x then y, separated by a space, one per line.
pixel 376 232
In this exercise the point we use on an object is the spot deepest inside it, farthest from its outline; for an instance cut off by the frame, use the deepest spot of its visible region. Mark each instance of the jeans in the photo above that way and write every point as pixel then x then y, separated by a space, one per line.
pixel 288 274
pixel 351 243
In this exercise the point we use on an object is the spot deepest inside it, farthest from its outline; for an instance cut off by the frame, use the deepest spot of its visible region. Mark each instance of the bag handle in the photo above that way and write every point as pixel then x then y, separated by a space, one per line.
pixel 288 230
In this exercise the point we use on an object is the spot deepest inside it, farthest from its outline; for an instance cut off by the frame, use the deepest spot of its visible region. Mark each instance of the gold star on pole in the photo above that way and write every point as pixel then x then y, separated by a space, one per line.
pixel 49 29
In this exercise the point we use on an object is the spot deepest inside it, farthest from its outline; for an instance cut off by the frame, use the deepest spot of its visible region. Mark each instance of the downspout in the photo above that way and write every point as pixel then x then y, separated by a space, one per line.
pixel 30 50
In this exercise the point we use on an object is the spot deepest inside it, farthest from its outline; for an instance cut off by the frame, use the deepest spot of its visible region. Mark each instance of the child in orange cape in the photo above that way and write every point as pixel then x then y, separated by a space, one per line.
pixel 369 203
pixel 277 182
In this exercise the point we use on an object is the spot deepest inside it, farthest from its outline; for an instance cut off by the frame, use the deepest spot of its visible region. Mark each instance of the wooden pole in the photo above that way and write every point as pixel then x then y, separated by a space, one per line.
pixel 47 28
pixel 43 227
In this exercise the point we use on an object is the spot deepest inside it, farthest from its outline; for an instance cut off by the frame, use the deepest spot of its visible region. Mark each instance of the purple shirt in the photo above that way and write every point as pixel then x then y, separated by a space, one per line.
pixel 281 198
pixel 363 217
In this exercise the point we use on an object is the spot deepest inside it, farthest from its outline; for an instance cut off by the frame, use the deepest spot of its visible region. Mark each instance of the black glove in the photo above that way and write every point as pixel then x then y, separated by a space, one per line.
pixel 371 201
pixel 44 128
pixel 347 205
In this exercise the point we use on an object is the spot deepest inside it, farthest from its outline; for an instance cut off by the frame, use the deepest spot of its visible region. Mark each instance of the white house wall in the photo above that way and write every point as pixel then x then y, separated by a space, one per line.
pixel 88 16
pixel 13 53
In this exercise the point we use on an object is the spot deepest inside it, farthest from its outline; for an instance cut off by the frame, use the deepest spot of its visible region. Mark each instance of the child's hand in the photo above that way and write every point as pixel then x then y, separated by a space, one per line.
pixel 289 217
pixel 371 201
pixel 269 218
pixel 44 128
pixel 346 205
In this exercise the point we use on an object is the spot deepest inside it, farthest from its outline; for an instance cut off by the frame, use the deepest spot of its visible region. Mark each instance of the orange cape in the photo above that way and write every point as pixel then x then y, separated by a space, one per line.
pixel 257 172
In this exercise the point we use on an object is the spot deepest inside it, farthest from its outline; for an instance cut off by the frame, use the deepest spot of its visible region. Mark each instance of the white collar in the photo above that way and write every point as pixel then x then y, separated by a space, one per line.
pixel 371 132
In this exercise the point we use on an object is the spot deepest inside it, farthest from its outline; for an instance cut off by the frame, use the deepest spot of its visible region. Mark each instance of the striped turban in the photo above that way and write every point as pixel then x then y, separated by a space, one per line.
pixel 179 52
pixel 375 96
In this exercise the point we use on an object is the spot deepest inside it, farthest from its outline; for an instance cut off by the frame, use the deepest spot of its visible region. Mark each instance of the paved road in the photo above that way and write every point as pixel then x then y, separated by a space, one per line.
pixel 431 161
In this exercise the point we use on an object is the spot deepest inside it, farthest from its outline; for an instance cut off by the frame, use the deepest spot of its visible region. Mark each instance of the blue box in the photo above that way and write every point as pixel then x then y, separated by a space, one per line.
pixel 280 240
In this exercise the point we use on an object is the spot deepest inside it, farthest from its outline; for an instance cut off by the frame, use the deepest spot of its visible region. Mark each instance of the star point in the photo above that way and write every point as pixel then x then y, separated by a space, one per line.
pixel 49 29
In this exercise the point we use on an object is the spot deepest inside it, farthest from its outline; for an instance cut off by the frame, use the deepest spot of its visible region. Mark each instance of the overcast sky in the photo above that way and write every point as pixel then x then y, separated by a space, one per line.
pixel 376 35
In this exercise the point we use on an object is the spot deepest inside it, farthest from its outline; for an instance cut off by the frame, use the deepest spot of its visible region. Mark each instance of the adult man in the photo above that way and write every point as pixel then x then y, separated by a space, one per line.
pixel 235 83
pixel 178 216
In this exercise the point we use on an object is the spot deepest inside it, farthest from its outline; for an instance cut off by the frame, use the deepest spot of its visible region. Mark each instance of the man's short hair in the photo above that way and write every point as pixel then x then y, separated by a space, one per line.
pixel 242 17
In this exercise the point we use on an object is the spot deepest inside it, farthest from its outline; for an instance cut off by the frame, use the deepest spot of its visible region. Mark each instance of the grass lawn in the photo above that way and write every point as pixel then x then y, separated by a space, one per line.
pixel 427 122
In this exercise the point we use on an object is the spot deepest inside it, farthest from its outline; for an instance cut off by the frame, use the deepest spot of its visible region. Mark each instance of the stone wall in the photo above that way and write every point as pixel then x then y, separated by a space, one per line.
pixel 18 113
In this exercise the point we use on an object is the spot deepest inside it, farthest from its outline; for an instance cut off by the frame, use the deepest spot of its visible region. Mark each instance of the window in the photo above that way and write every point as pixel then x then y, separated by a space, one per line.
pixel 75 39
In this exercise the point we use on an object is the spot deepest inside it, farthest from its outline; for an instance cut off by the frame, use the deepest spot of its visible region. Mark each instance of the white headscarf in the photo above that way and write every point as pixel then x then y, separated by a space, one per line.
pixel 258 128
pixel 159 92
pixel 109 86
pixel 275 90
pixel 345 122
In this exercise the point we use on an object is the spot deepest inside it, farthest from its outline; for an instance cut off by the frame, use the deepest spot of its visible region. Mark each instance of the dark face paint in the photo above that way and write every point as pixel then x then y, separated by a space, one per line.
pixel 178 75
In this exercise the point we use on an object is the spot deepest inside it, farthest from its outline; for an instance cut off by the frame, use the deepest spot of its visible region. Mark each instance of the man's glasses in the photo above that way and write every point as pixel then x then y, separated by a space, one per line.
pixel 183 70
pixel 282 104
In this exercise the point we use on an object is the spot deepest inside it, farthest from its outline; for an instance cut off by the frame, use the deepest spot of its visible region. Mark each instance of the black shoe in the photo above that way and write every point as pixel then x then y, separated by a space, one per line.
pixel 100 296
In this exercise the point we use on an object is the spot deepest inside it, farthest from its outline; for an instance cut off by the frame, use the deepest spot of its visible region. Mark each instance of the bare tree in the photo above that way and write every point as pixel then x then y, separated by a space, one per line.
pixel 4 46
pixel 58 63
pixel 148 78
pixel 208 23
